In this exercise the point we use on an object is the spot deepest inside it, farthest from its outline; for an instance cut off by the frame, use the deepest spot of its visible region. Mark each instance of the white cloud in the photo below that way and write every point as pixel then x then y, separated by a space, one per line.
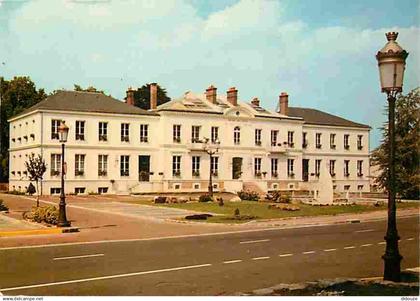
pixel 117 44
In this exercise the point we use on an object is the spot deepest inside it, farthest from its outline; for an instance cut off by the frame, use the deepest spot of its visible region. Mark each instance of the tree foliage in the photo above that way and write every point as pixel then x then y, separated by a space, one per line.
pixel 142 96
pixel 88 89
pixel 36 168
pixel 16 95
pixel 407 146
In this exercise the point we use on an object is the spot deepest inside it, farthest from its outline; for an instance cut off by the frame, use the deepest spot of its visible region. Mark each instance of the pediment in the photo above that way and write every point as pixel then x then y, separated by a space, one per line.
pixel 238 112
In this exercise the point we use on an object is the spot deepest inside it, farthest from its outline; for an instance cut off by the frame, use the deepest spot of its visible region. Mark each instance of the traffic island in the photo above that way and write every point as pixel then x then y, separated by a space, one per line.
pixel 409 286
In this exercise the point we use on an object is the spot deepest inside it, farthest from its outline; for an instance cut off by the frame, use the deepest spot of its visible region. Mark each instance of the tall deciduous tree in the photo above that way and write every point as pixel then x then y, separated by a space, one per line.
pixel 16 95
pixel 407 147
pixel 36 168
pixel 142 96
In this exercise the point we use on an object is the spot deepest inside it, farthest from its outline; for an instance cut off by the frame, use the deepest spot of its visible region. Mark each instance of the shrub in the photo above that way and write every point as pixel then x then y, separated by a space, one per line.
pixel 279 197
pixel 15 192
pixel 204 198
pixel 220 202
pixel 47 215
pixel 31 189
pixel 3 207
pixel 249 195
pixel 237 212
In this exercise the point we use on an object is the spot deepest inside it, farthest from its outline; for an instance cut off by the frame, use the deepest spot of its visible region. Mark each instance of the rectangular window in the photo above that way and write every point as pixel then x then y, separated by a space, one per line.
pixel 195 134
pixel 102 165
pixel 346 168
pixel 258 137
pixel 125 132
pixel 144 132
pixel 257 167
pixel 346 141
pixel 274 167
pixel 346 187
pixel 359 142
pixel 360 168
pixel 79 165
pixel 214 163
pixel 55 190
pixel 317 167
pixel 332 141
pixel 332 168
pixel 195 166
pixel 318 140
pixel 360 187
pixel 103 131
pixel 125 166
pixel 214 134
pixel 176 133
pixel 55 123
pixel 176 166
pixel 290 168
pixel 80 130
pixel 274 136
pixel 290 141
pixel 304 140
pixel 55 164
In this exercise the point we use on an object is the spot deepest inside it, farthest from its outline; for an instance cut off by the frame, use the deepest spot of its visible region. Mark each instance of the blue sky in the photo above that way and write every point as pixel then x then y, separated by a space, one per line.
pixel 319 51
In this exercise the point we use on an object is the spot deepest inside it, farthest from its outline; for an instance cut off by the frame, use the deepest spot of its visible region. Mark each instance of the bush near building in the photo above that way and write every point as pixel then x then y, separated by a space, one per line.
pixel 248 195
pixel 48 215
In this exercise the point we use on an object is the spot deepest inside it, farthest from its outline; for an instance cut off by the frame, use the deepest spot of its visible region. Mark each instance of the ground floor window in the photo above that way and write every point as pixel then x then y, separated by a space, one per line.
pixel 359 187
pixel 176 166
pixel 79 169
pixel 196 166
pixel 274 167
pixel 125 166
pixel 214 162
pixel 317 167
pixel 257 167
pixel 55 164
pixel 346 187
pixel 290 167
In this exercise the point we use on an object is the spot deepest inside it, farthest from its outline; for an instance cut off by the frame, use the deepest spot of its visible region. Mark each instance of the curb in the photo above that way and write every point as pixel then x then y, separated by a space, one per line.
pixel 38 232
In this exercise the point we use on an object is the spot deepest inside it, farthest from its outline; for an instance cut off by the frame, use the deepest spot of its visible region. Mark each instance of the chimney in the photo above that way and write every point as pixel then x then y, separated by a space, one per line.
pixel 232 96
pixel 255 102
pixel 284 103
pixel 211 93
pixel 130 96
pixel 153 96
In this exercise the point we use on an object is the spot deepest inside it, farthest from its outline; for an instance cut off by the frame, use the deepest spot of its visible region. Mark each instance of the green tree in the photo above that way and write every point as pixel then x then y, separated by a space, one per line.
pixel 88 89
pixel 407 146
pixel 36 168
pixel 16 95
pixel 142 96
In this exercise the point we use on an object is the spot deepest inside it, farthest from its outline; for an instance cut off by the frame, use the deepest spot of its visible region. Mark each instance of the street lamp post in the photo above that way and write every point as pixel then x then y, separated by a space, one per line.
pixel 211 148
pixel 391 61
pixel 63 132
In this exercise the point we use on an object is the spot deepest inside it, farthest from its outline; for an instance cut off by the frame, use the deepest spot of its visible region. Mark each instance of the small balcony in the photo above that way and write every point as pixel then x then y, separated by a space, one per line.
pixel 196 145
pixel 277 148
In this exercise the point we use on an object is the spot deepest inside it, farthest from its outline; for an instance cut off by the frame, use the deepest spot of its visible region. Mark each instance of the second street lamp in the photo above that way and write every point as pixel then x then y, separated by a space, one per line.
pixel 211 148
pixel 391 61
pixel 63 131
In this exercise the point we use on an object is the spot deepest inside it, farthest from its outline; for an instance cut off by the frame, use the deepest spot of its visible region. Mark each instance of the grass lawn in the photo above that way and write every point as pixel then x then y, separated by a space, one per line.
pixel 259 210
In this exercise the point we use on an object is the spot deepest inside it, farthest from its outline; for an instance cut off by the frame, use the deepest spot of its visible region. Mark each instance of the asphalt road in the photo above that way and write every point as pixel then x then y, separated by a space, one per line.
pixel 205 265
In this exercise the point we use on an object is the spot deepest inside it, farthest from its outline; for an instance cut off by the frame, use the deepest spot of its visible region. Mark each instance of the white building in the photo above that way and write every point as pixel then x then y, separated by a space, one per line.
pixel 114 147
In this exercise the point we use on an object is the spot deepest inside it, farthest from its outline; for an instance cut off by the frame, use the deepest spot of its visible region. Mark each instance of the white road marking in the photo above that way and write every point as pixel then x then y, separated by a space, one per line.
pixel 349 247
pixel 80 256
pixel 411 238
pixel 308 252
pixel 260 258
pixel 105 277
pixel 382 243
pixel 286 255
pixel 254 241
pixel 366 245
pixel 363 231
pixel 232 261
pixel 330 250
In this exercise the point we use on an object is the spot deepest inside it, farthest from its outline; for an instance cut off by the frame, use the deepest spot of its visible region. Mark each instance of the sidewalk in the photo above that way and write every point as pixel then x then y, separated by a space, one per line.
pixel 99 225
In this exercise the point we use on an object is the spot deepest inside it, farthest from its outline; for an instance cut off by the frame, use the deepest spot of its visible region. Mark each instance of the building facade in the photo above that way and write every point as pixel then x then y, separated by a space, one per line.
pixel 114 147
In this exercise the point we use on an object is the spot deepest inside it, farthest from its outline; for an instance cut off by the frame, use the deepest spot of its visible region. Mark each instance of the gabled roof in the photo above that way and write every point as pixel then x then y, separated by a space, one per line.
pixel 316 117
pixel 76 101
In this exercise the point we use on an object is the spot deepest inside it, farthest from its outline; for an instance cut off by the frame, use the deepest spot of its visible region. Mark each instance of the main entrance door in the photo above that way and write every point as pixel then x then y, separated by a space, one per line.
pixel 236 168
pixel 305 170
pixel 144 168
